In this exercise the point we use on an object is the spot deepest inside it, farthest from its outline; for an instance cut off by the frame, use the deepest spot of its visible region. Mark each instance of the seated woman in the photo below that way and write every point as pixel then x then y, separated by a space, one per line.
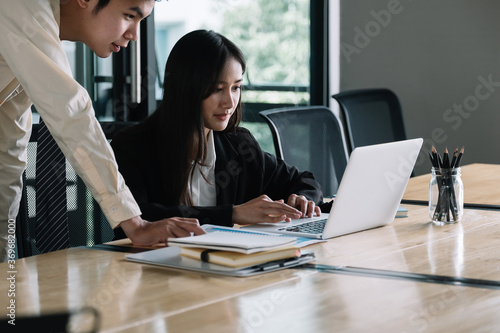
pixel 190 158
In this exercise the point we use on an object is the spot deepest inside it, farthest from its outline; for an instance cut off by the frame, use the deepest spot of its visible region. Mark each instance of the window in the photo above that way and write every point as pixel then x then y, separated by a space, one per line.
pixel 273 35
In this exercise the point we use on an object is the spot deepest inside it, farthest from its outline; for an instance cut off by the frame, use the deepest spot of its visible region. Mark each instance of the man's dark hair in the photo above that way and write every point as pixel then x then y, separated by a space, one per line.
pixel 100 5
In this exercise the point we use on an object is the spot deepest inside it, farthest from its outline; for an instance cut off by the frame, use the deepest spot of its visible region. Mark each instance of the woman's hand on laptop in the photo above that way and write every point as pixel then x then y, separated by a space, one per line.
pixel 264 210
pixel 307 208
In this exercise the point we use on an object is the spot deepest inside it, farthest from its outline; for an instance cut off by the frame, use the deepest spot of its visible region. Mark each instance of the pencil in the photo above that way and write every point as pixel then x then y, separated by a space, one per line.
pixel 437 158
pixel 446 159
pixel 439 161
pixel 459 158
pixel 454 159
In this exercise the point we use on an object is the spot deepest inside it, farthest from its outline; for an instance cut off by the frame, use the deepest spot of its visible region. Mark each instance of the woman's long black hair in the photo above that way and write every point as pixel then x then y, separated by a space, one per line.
pixel 192 72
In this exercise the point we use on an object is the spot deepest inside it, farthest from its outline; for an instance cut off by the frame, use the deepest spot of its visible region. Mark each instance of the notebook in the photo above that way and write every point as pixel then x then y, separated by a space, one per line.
pixel 236 259
pixel 369 193
pixel 236 241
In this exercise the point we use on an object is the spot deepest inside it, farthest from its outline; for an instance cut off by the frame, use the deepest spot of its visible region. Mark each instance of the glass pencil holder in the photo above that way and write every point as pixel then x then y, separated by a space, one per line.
pixel 446 196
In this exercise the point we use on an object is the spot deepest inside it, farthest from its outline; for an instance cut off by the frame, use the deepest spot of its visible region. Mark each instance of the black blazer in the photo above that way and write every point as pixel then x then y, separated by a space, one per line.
pixel 243 171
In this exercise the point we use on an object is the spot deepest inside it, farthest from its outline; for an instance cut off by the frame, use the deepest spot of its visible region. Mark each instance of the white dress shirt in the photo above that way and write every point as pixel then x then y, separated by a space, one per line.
pixel 34 69
pixel 202 187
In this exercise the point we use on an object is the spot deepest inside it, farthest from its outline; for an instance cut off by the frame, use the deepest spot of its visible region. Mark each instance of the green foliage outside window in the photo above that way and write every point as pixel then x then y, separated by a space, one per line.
pixel 274 36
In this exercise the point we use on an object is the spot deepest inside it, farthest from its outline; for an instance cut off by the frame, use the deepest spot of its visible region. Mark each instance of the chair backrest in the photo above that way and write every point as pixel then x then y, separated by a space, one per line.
pixel 371 116
pixel 310 138
pixel 87 224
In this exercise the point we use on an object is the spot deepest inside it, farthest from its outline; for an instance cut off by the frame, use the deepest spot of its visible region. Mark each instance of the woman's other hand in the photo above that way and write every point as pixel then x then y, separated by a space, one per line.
pixel 264 210
pixel 307 208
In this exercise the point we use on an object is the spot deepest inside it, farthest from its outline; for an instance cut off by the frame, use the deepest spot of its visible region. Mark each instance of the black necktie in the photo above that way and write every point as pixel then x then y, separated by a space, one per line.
pixel 51 209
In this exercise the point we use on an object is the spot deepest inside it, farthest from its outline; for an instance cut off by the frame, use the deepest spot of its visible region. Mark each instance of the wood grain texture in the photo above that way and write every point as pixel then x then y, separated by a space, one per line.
pixel 141 298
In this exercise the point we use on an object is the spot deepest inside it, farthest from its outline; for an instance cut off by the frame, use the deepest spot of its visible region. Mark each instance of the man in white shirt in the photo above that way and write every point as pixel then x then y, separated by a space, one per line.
pixel 34 70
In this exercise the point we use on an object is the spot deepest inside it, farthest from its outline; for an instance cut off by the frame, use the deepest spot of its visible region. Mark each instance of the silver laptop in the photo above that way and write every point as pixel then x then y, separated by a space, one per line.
pixel 369 193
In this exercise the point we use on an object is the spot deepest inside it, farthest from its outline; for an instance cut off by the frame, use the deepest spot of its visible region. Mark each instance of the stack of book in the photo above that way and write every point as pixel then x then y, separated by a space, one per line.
pixel 235 248
pixel 229 252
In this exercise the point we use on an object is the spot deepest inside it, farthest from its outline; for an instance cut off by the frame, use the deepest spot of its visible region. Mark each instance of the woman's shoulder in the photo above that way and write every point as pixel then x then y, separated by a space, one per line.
pixel 240 133
pixel 240 141
pixel 237 137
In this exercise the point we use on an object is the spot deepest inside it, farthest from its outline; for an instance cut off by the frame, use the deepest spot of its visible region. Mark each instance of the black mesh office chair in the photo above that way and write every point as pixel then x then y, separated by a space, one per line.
pixel 371 116
pixel 311 139
pixel 86 222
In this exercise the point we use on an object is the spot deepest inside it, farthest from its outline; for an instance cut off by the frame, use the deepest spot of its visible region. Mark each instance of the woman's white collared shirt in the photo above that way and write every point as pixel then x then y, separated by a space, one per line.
pixel 202 187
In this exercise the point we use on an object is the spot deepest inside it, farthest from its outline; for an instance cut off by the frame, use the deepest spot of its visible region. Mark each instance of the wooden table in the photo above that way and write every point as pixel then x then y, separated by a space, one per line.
pixel 141 298
pixel 481 186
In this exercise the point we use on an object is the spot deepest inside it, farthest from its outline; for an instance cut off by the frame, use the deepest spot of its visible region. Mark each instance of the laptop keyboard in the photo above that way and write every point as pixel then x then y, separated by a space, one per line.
pixel 313 227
